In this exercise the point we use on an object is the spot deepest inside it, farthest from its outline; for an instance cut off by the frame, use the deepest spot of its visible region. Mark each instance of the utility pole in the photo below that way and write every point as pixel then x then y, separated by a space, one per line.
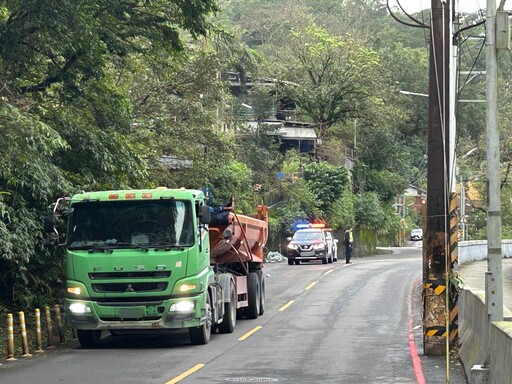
pixel 437 245
pixel 493 276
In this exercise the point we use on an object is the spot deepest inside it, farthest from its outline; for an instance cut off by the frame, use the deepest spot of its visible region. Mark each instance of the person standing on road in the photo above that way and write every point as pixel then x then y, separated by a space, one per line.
pixel 348 241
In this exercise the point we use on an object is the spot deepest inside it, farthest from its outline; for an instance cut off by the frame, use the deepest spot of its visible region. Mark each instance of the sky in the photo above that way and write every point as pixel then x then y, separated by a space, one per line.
pixel 412 6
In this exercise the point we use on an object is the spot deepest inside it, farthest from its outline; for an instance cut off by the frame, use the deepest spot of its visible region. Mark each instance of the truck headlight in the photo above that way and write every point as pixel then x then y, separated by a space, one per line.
pixel 319 246
pixel 292 246
pixel 74 290
pixel 79 308
pixel 182 306
pixel 187 287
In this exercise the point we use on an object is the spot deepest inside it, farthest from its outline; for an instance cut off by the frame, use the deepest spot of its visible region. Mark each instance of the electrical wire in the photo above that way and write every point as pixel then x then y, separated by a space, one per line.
pixel 419 173
pixel 410 16
pixel 472 67
pixel 401 21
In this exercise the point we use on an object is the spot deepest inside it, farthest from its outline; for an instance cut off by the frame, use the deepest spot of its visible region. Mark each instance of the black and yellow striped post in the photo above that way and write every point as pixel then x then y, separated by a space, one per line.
pixel 439 296
pixel 434 321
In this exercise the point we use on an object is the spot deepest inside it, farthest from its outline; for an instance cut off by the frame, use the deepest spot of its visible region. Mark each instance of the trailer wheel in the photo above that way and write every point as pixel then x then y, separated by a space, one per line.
pixel 229 318
pixel 254 291
pixel 88 338
pixel 261 276
pixel 201 335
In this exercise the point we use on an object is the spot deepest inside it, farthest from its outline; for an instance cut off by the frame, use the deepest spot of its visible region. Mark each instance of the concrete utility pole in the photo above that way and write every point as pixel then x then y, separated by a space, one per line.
pixel 493 276
pixel 437 245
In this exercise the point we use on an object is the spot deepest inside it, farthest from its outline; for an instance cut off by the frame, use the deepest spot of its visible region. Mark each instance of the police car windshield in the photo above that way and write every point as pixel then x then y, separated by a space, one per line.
pixel 307 236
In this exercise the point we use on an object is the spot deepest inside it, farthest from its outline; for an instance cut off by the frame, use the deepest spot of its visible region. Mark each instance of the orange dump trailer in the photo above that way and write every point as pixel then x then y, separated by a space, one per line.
pixel 236 253
pixel 239 238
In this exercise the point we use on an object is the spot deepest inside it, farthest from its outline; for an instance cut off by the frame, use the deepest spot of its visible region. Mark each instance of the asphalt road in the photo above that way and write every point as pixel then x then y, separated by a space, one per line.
pixel 331 323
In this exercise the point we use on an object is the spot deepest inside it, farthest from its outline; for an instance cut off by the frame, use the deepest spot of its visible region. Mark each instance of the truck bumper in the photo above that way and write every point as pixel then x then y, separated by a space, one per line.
pixel 106 316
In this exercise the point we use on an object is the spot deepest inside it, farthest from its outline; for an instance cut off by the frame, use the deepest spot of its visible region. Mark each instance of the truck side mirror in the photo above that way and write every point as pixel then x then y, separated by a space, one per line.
pixel 205 215
pixel 49 224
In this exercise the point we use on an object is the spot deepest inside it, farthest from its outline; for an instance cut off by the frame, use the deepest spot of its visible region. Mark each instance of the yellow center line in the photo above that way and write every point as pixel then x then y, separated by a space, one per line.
pixel 256 329
pixel 310 285
pixel 185 374
pixel 329 271
pixel 286 305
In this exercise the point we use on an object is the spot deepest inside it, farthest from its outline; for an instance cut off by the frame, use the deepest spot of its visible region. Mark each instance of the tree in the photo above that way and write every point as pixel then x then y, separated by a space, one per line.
pixel 329 74
pixel 28 182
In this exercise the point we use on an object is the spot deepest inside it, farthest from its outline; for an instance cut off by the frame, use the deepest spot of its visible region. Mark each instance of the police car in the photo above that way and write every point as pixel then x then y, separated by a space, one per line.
pixel 309 243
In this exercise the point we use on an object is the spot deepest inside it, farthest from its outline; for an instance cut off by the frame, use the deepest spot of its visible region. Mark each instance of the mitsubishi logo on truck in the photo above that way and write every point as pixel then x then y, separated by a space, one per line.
pixel 129 288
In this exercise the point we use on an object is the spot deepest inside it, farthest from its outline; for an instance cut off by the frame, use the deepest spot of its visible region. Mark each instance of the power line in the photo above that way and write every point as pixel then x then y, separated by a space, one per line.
pixel 420 25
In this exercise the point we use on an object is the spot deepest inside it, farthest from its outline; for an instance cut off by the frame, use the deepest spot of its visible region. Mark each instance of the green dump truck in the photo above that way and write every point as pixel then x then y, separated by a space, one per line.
pixel 158 259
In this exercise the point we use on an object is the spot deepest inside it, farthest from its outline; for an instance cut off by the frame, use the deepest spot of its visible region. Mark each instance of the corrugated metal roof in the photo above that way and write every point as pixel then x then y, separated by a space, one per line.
pixel 294 133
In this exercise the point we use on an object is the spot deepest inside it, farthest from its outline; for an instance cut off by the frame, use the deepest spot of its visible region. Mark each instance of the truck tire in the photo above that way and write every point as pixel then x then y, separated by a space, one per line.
pixel 262 291
pixel 201 335
pixel 229 318
pixel 331 258
pixel 290 261
pixel 254 292
pixel 325 259
pixel 88 338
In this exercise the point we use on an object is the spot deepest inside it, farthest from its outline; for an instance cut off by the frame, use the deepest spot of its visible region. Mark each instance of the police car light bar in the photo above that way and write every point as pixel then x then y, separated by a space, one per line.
pixel 310 225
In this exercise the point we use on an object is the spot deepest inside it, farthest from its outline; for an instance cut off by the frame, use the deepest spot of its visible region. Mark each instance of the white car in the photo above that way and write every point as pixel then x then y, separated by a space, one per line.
pixel 416 234
pixel 332 243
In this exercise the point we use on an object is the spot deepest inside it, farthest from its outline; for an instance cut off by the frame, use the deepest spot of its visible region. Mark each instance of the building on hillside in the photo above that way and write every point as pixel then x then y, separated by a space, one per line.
pixel 290 133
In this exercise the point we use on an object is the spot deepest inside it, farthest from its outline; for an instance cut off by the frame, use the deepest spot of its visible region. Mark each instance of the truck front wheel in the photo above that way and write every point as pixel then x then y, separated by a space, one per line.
pixel 254 291
pixel 229 319
pixel 201 335
pixel 88 338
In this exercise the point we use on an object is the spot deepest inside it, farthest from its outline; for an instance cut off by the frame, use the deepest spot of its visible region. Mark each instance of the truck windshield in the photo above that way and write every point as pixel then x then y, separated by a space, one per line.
pixel 131 223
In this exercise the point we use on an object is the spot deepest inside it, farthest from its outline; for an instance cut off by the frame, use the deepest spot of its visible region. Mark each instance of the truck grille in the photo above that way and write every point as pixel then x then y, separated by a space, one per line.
pixel 115 318
pixel 129 275
pixel 129 287
pixel 306 247
pixel 129 301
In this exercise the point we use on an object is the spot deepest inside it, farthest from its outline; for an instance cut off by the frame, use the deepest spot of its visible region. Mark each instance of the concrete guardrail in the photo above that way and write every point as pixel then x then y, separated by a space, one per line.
pixel 478 339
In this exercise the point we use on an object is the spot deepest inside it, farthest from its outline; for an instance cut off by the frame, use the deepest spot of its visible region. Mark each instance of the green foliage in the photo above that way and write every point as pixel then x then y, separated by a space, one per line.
pixel 233 179
pixel 327 182
pixel 330 74
pixel 372 215
pixel 293 198
pixel 341 213
pixel 29 181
